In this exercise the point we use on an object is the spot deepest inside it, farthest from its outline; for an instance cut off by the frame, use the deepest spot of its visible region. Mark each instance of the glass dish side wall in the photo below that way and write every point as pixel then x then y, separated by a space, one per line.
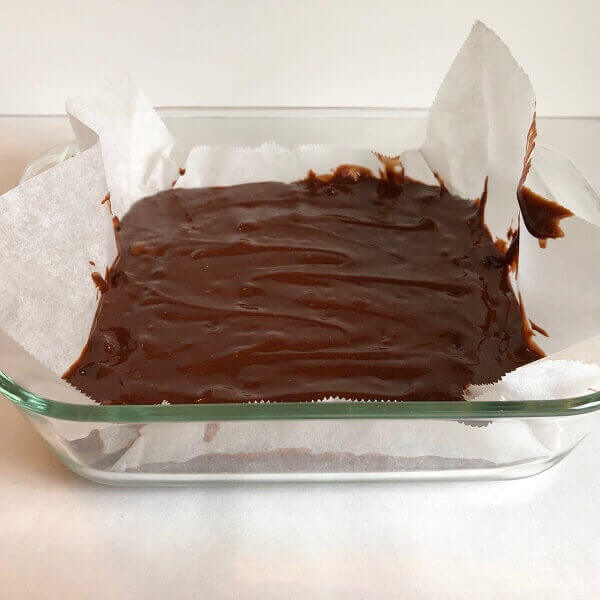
pixel 314 450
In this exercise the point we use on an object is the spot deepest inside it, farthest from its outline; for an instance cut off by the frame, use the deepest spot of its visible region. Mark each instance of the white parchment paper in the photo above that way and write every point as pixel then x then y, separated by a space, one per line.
pixel 57 230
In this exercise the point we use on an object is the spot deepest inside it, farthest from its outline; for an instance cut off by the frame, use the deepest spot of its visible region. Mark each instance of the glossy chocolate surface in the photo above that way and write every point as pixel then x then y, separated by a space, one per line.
pixel 348 286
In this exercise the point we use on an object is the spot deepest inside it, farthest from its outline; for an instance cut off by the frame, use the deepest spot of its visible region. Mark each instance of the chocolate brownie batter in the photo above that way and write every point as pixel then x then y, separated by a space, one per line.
pixel 541 216
pixel 348 285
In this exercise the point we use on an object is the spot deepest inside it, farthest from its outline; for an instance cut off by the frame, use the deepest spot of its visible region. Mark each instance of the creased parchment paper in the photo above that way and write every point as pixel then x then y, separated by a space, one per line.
pixel 57 231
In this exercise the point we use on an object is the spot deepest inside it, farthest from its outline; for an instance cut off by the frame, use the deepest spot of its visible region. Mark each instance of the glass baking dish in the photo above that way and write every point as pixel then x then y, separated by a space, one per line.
pixel 331 441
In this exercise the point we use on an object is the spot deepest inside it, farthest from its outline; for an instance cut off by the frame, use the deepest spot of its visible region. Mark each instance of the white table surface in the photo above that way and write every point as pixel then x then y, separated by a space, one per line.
pixel 64 537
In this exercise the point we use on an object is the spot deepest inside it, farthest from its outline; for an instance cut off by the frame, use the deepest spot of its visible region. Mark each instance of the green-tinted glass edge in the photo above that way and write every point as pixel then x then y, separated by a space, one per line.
pixel 300 410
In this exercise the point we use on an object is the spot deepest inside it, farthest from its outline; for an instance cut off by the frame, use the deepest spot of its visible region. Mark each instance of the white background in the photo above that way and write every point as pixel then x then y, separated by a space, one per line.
pixel 288 52
pixel 62 537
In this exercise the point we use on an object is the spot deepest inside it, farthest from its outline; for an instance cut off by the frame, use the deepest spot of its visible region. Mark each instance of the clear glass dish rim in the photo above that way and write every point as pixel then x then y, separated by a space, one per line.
pixel 55 409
